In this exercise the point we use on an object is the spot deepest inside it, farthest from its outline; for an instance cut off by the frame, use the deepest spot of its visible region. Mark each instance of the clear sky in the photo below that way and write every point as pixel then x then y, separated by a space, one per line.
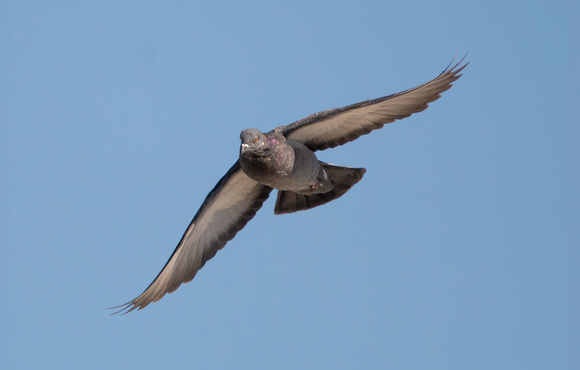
pixel 453 252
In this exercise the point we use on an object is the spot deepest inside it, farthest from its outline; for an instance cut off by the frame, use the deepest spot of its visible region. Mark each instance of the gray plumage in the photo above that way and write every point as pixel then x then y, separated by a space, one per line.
pixel 284 159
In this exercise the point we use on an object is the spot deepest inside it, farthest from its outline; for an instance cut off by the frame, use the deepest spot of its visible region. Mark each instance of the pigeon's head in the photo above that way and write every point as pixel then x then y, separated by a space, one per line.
pixel 253 141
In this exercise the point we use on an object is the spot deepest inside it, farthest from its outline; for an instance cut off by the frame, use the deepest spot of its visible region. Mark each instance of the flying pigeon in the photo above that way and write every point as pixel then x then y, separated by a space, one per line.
pixel 284 159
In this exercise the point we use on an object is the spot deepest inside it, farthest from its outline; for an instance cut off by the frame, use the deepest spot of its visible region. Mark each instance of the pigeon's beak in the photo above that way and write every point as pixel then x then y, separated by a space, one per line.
pixel 244 147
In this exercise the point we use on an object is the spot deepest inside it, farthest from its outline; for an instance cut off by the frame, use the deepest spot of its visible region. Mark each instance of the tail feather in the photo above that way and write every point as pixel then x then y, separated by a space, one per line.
pixel 342 179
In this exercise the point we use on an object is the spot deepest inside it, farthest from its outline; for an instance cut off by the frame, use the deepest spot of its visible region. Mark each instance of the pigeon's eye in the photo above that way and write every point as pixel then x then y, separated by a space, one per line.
pixel 255 140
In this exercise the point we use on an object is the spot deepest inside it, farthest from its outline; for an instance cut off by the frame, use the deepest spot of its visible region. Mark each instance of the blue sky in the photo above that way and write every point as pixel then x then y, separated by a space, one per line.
pixel 454 252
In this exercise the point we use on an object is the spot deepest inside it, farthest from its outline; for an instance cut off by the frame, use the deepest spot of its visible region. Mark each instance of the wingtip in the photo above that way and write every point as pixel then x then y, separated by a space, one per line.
pixel 126 307
pixel 452 67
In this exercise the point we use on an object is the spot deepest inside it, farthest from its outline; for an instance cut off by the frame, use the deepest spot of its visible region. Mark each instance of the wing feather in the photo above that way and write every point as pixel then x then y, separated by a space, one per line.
pixel 226 210
pixel 334 127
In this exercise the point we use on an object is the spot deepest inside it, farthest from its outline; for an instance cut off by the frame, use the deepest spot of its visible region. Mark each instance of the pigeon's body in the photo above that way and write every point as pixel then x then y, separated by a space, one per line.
pixel 283 159
pixel 282 164
pixel 303 182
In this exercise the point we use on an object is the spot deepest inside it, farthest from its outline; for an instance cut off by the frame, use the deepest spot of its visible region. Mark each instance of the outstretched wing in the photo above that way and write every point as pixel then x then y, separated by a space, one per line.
pixel 338 126
pixel 226 210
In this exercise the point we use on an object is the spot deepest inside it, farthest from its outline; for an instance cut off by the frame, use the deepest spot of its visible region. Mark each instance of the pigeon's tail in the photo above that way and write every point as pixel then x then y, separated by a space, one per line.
pixel 342 179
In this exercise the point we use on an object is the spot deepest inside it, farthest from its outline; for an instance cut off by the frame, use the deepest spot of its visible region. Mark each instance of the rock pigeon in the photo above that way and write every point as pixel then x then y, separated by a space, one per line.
pixel 284 159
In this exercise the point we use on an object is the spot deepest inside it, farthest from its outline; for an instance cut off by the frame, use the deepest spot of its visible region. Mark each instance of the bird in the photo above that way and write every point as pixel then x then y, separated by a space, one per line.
pixel 284 159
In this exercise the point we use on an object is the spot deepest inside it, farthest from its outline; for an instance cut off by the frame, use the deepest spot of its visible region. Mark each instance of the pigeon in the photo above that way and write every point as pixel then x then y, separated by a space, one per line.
pixel 284 159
